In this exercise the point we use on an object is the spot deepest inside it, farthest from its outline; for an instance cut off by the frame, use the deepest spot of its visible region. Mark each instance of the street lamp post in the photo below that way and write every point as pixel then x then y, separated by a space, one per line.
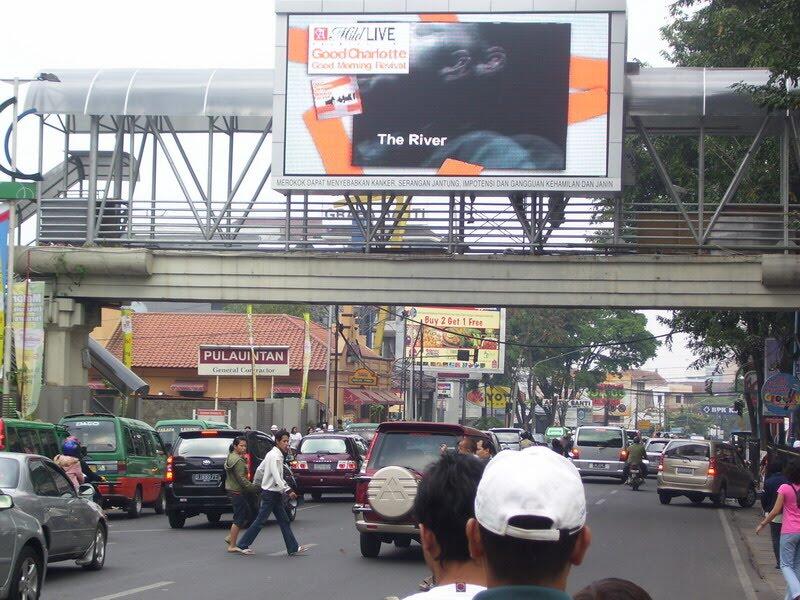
pixel 12 225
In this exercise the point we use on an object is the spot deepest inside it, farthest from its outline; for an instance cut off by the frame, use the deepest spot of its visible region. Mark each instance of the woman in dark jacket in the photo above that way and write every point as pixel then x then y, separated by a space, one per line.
pixel 775 479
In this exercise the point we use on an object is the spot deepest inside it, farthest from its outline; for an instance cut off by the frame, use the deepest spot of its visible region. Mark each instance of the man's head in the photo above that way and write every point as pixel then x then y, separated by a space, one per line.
pixel 239 445
pixel 444 503
pixel 273 429
pixel 637 440
pixel 248 428
pixel 485 449
pixel 282 440
pixel 530 519
pixel 294 430
pixel 467 445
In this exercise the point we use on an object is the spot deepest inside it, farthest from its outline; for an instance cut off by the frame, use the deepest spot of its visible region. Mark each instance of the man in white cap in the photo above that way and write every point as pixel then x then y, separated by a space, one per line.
pixel 530 525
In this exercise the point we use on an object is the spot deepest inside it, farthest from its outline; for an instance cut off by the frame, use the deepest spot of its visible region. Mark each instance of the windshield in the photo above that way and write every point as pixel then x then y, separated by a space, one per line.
pixel 412 450
pixel 95 436
pixel 213 447
pixel 511 437
pixel 687 450
pixel 9 473
pixel 594 437
pixel 656 446
pixel 322 446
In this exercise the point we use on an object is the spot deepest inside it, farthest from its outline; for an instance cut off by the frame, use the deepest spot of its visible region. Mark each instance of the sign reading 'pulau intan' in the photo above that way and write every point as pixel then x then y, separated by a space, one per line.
pixel 239 360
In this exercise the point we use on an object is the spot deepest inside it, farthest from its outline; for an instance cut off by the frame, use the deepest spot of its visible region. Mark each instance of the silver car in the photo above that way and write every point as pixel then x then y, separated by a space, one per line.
pixel 509 437
pixel 600 451
pixel 73 525
pixel 654 447
pixel 23 551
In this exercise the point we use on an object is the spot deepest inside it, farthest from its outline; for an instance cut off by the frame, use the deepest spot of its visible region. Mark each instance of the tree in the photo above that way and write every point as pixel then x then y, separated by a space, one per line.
pixel 719 337
pixel 563 352
pixel 741 33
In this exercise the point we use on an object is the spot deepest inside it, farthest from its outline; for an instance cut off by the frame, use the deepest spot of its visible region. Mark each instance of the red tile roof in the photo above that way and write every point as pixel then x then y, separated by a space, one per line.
pixel 172 340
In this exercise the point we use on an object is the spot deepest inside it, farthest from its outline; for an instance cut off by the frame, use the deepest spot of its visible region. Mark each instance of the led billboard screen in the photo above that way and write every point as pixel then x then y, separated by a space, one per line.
pixel 458 101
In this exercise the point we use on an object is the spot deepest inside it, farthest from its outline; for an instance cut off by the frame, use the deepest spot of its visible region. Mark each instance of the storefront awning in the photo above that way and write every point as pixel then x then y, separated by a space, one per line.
pixel 189 386
pixel 357 397
pixel 286 389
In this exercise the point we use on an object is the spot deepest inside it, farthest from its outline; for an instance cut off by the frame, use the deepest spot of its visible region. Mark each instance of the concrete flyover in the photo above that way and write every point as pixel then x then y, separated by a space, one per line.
pixel 118 275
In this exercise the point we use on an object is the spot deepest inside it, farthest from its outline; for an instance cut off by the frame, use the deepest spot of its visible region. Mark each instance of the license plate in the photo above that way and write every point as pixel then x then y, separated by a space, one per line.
pixel 598 465
pixel 206 478
pixel 684 470
pixel 321 466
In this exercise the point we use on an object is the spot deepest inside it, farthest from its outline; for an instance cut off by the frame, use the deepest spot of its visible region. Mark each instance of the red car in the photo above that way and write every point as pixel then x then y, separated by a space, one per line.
pixel 385 491
pixel 328 463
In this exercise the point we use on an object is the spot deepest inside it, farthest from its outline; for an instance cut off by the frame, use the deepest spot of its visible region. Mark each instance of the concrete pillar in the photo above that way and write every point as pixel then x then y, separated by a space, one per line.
pixel 66 357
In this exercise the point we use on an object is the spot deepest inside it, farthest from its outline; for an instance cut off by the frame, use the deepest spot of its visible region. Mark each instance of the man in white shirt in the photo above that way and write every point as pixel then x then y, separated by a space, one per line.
pixel 444 503
pixel 295 438
pixel 273 487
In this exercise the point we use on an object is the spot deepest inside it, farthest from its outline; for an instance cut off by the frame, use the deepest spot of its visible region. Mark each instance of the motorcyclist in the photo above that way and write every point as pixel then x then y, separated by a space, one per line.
pixel 72 447
pixel 636 456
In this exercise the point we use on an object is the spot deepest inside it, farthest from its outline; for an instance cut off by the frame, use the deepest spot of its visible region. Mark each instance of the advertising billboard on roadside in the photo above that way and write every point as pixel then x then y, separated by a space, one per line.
pixel 456 339
pixel 459 101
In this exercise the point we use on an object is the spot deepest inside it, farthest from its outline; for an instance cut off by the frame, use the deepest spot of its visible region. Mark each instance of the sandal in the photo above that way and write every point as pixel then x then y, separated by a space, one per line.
pixel 245 551
pixel 301 551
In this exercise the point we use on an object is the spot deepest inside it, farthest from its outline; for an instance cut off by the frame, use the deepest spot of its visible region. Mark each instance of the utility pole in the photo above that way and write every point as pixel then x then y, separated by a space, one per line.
pixel 335 368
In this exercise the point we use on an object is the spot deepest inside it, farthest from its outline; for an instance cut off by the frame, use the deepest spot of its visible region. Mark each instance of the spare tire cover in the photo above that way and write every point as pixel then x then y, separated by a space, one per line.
pixel 391 492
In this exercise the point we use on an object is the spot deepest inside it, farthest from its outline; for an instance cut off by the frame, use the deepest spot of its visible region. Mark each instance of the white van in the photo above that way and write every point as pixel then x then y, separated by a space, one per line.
pixel 600 451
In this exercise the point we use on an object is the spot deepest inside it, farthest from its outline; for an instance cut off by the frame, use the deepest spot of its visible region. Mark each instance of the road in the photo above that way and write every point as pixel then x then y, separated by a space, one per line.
pixel 675 551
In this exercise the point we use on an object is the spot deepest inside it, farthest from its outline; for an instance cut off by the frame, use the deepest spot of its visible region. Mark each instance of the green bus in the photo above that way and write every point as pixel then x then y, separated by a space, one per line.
pixel 31 437
pixel 169 429
pixel 129 454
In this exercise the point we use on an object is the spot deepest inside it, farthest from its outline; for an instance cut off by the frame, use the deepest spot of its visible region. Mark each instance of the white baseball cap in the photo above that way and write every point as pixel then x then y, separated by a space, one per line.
pixel 535 482
pixel 274 428
pixel 796 444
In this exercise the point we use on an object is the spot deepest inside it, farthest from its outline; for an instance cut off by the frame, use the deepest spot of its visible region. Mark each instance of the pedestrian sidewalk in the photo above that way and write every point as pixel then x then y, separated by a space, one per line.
pixel 757 548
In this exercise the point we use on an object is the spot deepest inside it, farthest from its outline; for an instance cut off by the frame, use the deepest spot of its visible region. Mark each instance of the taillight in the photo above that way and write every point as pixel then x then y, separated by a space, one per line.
pixel 300 465
pixel 122 467
pixel 361 493
pixel 575 453
pixel 712 466
pixel 661 463
pixel 346 465
pixel 170 476
pixel 209 432
pixel 2 435
pixel 623 454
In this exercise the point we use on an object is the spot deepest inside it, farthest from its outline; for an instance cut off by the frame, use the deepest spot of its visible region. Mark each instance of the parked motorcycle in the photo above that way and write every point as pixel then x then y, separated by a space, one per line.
pixel 635 477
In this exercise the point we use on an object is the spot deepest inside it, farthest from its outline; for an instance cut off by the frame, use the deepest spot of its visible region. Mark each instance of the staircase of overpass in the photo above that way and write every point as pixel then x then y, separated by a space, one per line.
pixel 162 171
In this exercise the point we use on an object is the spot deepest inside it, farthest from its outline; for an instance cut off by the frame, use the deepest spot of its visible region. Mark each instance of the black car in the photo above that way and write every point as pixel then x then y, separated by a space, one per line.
pixel 196 472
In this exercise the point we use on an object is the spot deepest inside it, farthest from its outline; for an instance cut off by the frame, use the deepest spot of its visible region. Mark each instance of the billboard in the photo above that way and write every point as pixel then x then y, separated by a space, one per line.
pixel 456 339
pixel 477 102
pixel 238 360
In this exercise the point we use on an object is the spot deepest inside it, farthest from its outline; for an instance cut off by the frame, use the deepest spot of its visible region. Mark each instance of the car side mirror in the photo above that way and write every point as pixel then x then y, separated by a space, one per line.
pixel 6 502
pixel 86 491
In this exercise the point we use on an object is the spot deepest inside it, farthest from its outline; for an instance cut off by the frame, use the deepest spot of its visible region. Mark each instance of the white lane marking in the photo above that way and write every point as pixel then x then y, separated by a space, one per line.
pixel 283 552
pixel 614 491
pixel 744 579
pixel 135 590
pixel 116 531
pixel 309 506
pixel 600 501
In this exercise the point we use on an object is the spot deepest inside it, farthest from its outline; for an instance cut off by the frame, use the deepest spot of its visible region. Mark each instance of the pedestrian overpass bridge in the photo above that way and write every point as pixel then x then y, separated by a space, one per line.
pixel 154 185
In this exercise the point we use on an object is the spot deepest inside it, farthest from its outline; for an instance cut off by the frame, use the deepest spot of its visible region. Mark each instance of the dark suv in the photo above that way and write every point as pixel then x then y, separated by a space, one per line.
pixel 386 488
pixel 195 479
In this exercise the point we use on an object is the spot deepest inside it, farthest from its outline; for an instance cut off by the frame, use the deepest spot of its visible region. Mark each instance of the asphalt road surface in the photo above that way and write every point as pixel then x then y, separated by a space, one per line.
pixel 675 551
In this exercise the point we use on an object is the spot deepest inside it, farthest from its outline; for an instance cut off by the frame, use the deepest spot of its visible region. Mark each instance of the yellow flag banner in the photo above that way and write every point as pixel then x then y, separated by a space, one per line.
pixel 306 360
pixel 126 324
pixel 28 326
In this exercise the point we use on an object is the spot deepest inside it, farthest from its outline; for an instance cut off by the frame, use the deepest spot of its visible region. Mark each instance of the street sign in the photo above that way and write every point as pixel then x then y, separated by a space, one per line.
pixel 12 190
pixel 238 360
pixel 708 409
pixel 644 424
pixel 581 403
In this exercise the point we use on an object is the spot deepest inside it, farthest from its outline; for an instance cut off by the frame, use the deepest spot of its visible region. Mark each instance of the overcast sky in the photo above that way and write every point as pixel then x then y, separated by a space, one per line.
pixel 206 34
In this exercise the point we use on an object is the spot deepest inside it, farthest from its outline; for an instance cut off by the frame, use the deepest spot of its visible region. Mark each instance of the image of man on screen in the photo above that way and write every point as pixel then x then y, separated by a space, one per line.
pixel 489 94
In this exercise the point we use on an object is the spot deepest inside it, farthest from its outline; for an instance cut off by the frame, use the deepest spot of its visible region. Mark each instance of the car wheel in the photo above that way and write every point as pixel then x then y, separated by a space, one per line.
pixel 135 505
pixel 721 498
pixel 370 545
pixel 696 499
pixel 748 500
pixel 26 579
pixel 664 498
pixel 176 519
pixel 213 518
pixel 316 496
pixel 161 503
pixel 98 551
